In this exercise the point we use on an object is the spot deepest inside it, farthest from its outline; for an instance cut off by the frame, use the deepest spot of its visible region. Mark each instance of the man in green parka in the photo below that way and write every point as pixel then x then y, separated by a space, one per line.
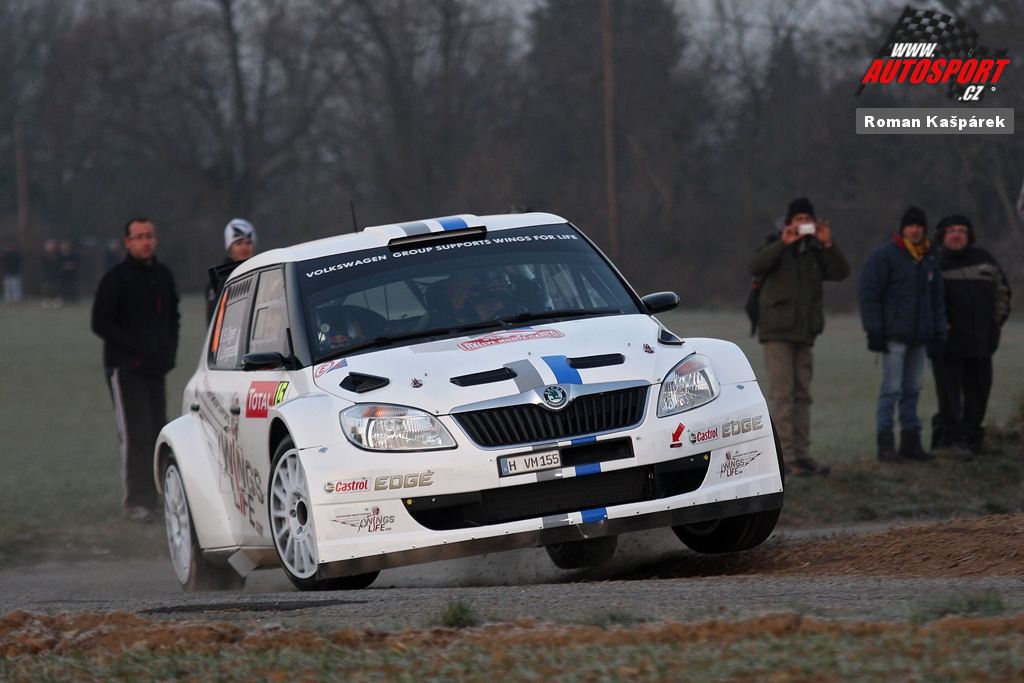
pixel 791 265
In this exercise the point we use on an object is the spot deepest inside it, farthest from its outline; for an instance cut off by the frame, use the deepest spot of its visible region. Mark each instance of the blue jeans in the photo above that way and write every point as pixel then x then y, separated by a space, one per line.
pixel 902 368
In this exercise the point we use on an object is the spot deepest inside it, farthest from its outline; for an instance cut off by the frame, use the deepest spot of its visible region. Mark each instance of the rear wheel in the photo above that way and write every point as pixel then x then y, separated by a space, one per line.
pixel 730 534
pixel 589 552
pixel 291 524
pixel 194 572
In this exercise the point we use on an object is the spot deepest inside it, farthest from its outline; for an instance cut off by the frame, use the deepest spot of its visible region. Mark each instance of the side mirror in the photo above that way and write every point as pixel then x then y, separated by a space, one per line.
pixel 659 302
pixel 265 360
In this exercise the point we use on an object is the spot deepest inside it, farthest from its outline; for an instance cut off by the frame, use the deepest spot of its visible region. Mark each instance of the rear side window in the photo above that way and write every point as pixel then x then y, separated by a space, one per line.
pixel 226 343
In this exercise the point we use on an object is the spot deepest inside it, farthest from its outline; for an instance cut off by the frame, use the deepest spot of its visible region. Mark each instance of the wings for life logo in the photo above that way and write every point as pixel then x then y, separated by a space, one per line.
pixel 926 46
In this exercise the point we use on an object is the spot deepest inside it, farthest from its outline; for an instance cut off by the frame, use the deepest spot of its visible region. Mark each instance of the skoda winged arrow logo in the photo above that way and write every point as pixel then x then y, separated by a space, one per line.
pixel 555 396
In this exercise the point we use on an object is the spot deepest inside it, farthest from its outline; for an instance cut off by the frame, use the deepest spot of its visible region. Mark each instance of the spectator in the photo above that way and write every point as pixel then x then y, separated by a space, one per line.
pixel 792 264
pixel 12 272
pixel 902 311
pixel 51 274
pixel 240 244
pixel 977 298
pixel 135 312
pixel 67 271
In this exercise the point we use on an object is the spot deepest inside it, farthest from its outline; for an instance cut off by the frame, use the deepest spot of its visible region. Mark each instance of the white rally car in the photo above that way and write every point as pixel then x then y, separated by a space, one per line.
pixel 453 387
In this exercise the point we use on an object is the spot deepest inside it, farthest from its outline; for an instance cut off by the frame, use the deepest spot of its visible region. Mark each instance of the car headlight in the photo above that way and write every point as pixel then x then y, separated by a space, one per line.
pixel 692 383
pixel 378 427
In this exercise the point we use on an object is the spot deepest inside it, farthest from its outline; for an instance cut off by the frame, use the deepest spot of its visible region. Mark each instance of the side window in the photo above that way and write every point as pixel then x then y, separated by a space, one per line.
pixel 270 315
pixel 232 314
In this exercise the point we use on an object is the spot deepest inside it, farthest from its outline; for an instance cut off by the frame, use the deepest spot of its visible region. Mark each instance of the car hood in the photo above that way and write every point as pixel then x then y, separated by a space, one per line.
pixel 440 376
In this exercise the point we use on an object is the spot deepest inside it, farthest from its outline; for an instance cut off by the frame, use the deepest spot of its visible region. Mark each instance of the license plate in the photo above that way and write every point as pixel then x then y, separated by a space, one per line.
pixel 531 462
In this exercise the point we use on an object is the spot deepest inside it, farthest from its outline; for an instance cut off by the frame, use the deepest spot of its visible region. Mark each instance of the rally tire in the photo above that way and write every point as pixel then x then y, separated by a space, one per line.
pixel 589 552
pixel 292 527
pixel 193 571
pixel 728 535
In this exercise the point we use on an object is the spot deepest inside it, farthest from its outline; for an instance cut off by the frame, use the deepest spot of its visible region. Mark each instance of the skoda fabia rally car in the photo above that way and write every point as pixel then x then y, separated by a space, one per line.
pixel 453 387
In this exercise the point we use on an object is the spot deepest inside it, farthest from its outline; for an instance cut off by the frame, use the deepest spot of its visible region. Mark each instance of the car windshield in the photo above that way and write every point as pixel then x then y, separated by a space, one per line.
pixel 359 300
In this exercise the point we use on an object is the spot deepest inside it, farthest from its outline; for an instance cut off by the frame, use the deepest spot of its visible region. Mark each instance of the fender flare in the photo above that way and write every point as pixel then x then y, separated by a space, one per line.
pixel 303 420
pixel 200 476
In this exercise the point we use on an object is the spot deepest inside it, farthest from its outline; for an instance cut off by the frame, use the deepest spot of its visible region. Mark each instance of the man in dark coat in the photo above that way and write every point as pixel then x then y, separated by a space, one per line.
pixel 135 312
pixel 902 310
pixel 792 264
pixel 977 297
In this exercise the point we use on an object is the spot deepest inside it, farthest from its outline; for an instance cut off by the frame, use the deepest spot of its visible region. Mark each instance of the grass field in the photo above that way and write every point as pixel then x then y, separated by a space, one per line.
pixel 62 488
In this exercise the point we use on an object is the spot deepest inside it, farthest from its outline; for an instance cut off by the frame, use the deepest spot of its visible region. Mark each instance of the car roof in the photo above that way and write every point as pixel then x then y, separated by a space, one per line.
pixel 381 235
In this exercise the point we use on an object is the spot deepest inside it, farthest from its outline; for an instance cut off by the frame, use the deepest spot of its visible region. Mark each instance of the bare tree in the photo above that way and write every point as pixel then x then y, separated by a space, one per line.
pixel 433 79
pixel 27 29
pixel 200 103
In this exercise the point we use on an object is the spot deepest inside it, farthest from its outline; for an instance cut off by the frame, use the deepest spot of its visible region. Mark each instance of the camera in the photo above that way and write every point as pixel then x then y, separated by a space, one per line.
pixel 806 229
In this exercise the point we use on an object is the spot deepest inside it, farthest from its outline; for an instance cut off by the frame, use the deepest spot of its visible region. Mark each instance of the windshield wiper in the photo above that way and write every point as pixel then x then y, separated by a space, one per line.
pixel 564 313
pixel 508 321
pixel 405 336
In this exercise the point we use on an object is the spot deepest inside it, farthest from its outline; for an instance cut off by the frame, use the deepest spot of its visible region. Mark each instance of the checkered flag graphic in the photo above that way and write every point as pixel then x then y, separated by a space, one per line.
pixel 952 37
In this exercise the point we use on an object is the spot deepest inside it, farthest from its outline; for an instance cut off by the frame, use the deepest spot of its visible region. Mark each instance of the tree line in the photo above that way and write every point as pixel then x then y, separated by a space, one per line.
pixel 673 133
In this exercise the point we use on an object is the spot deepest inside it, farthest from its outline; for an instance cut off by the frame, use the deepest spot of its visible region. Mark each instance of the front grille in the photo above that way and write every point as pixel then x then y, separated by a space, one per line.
pixel 559 496
pixel 522 424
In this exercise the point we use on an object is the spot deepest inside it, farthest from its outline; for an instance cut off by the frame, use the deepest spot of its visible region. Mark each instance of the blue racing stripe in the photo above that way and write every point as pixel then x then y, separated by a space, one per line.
pixel 563 373
pixel 452 223
pixel 583 470
pixel 595 515
pixel 586 439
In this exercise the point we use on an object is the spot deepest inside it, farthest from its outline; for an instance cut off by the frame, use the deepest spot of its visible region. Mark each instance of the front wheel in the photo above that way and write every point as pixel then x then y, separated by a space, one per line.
pixel 731 534
pixel 194 572
pixel 291 524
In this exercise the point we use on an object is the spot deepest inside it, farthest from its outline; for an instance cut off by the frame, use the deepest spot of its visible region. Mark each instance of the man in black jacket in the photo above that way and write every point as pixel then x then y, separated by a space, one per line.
pixel 977 304
pixel 135 312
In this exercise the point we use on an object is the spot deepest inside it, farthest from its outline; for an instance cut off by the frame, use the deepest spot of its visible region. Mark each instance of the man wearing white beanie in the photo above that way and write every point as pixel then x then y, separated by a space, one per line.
pixel 240 243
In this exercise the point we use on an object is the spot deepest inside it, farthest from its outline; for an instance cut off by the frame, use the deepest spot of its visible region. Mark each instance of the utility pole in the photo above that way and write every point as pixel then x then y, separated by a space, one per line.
pixel 21 175
pixel 609 128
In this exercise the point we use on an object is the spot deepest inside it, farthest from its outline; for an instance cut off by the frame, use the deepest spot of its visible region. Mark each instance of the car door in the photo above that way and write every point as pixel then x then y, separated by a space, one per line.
pixel 251 318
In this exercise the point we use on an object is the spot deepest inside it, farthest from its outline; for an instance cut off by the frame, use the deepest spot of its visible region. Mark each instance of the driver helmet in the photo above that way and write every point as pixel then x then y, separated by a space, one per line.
pixel 496 282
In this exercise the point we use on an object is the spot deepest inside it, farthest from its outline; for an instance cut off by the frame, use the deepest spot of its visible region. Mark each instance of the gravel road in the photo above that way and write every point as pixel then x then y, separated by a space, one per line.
pixel 653 578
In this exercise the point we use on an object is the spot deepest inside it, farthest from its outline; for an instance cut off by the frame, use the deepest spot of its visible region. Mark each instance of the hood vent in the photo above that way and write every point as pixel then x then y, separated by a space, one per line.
pixel 487 377
pixel 596 361
pixel 360 383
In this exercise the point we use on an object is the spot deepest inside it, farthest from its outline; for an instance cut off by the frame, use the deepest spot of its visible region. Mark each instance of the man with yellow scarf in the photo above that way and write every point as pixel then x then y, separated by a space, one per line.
pixel 902 310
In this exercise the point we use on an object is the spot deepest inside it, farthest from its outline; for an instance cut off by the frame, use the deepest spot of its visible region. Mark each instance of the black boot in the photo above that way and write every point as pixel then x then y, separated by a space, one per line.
pixel 887 447
pixel 910 446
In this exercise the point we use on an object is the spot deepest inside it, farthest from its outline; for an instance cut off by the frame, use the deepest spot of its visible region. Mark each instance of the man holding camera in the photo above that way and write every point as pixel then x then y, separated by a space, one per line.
pixel 791 265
